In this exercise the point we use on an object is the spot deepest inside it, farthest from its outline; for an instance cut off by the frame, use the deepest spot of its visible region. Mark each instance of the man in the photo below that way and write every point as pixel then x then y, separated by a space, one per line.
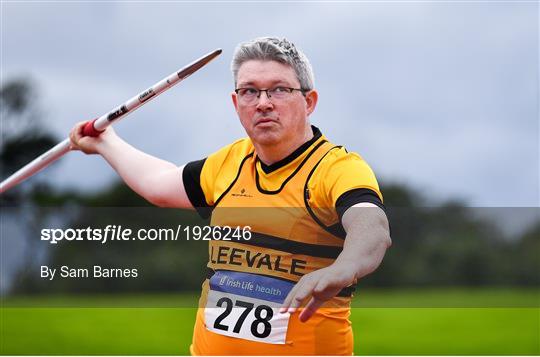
pixel 315 211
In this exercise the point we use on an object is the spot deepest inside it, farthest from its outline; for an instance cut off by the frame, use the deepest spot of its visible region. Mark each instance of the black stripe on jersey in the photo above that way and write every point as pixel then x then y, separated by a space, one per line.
pixel 336 229
pixel 348 291
pixel 191 176
pixel 261 190
pixel 235 179
pixel 345 292
pixel 354 196
pixel 290 246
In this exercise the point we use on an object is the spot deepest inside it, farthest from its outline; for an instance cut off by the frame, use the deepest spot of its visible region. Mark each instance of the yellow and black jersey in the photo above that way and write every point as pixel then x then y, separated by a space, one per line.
pixel 293 210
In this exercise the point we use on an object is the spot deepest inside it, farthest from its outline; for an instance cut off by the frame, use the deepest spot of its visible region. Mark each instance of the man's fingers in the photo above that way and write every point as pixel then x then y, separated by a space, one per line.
pixel 321 292
pixel 72 141
pixel 299 293
pixel 290 296
pixel 297 300
pixel 290 302
pixel 287 301
pixel 80 141
pixel 310 309
pixel 76 134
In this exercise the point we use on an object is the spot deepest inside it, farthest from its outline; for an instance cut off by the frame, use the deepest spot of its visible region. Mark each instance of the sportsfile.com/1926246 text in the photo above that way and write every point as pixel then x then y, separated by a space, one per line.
pixel 119 233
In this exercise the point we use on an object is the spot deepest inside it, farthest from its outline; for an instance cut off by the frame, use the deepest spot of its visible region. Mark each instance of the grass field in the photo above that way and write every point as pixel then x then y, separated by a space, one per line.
pixel 381 327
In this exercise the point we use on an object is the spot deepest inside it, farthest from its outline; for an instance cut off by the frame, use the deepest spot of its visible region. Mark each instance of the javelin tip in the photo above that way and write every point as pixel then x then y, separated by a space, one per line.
pixel 198 64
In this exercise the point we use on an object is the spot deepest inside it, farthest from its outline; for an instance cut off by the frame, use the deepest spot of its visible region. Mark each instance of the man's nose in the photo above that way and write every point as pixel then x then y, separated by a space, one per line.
pixel 264 102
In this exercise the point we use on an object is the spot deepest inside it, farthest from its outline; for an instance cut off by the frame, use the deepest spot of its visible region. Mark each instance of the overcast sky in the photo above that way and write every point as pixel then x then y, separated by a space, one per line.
pixel 441 96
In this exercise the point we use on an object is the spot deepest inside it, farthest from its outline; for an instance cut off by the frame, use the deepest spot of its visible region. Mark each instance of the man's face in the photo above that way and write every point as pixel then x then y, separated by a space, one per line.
pixel 271 121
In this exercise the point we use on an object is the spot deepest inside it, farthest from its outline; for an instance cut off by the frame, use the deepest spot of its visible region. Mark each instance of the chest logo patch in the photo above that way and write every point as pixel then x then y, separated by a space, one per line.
pixel 243 193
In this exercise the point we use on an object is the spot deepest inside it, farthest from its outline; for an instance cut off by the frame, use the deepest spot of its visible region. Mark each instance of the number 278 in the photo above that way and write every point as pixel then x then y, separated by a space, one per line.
pixel 265 321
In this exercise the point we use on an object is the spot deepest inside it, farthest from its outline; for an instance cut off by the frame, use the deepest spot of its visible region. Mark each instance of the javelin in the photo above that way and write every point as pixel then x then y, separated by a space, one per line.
pixel 98 125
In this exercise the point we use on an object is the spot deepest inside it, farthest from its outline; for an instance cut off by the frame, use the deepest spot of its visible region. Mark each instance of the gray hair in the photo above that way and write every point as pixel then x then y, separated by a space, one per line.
pixel 274 49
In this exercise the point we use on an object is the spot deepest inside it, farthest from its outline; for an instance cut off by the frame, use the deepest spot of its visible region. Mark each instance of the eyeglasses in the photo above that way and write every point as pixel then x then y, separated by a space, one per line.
pixel 250 95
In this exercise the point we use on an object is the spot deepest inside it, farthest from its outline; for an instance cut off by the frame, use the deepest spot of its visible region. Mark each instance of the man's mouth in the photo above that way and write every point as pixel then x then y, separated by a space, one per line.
pixel 265 120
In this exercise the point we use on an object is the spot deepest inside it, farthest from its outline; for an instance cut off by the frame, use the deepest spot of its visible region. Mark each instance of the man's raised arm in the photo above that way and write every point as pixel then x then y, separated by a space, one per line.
pixel 158 181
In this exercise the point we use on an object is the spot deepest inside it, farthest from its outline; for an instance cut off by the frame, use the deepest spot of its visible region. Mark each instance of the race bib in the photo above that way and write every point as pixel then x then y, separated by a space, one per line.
pixel 245 305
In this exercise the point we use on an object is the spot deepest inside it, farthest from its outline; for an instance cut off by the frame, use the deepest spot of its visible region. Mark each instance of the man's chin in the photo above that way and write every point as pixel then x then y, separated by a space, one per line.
pixel 266 135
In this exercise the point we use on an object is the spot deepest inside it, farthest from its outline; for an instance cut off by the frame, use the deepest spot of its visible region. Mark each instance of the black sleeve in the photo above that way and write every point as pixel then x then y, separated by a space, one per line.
pixel 357 195
pixel 191 176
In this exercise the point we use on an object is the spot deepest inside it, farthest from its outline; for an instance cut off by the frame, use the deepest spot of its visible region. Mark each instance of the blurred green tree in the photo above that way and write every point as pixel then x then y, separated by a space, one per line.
pixel 23 134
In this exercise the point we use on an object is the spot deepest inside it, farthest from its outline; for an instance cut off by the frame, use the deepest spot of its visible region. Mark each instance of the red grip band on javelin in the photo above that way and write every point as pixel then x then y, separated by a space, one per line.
pixel 89 130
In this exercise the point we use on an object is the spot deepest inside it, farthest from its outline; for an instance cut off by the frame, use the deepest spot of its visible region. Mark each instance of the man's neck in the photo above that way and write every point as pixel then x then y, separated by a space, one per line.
pixel 271 154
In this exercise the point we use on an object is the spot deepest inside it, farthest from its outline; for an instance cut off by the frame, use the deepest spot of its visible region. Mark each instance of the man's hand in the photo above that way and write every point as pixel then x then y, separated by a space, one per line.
pixel 321 285
pixel 88 144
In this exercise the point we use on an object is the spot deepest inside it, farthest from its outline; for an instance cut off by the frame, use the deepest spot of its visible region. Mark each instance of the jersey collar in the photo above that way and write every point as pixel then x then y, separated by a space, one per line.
pixel 299 151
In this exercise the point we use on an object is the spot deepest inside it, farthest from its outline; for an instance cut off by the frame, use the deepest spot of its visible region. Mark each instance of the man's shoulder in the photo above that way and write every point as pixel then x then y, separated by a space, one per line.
pixel 340 166
pixel 242 147
pixel 338 172
pixel 339 156
pixel 237 150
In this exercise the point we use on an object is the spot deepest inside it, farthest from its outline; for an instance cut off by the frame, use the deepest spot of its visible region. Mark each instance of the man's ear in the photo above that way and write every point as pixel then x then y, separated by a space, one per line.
pixel 234 98
pixel 311 101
